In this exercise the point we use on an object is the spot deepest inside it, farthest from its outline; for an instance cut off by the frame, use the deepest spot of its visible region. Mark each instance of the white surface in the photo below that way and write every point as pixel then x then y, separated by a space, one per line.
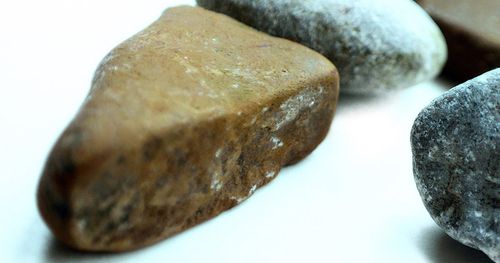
pixel 352 200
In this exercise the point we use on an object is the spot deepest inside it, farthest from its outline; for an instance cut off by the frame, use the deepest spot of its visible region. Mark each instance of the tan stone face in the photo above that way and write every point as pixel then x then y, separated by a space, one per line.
pixel 183 121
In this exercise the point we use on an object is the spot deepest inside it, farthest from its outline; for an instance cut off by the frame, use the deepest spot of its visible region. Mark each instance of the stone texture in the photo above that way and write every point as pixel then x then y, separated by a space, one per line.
pixel 377 45
pixel 472 30
pixel 456 162
pixel 183 121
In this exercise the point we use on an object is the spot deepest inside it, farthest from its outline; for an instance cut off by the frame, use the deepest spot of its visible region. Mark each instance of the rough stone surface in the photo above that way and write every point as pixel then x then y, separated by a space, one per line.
pixel 377 45
pixel 456 162
pixel 472 30
pixel 183 121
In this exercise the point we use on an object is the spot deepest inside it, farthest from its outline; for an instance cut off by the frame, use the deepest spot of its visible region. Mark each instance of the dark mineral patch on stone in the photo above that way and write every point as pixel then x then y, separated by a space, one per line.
pixel 456 162
pixel 151 148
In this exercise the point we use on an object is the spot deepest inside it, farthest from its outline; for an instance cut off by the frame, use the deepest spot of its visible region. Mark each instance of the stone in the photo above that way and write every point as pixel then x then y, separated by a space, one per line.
pixel 377 45
pixel 472 30
pixel 456 162
pixel 183 121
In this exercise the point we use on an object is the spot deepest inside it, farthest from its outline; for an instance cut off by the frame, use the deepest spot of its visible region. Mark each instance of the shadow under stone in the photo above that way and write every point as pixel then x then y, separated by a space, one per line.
pixel 58 252
pixel 440 248
pixel 349 100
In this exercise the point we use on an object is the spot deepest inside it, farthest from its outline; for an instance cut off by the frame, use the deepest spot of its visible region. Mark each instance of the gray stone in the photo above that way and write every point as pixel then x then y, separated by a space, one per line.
pixel 376 44
pixel 456 160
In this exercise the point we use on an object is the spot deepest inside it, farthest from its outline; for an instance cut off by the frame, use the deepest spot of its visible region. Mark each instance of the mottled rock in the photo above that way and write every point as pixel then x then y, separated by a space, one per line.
pixel 183 121
pixel 456 161
pixel 376 45
pixel 472 30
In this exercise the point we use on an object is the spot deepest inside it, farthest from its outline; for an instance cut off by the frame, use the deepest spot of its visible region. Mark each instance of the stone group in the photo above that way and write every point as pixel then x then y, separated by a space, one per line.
pixel 192 115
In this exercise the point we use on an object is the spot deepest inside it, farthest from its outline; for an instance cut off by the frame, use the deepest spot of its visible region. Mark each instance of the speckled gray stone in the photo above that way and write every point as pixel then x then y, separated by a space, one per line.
pixel 456 160
pixel 376 45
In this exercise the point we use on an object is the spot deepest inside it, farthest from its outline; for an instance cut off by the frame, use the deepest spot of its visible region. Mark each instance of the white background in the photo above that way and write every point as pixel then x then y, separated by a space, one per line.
pixel 352 200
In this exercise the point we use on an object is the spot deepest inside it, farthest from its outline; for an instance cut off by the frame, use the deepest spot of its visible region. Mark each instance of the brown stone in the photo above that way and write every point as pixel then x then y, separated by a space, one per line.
pixel 183 121
pixel 472 30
